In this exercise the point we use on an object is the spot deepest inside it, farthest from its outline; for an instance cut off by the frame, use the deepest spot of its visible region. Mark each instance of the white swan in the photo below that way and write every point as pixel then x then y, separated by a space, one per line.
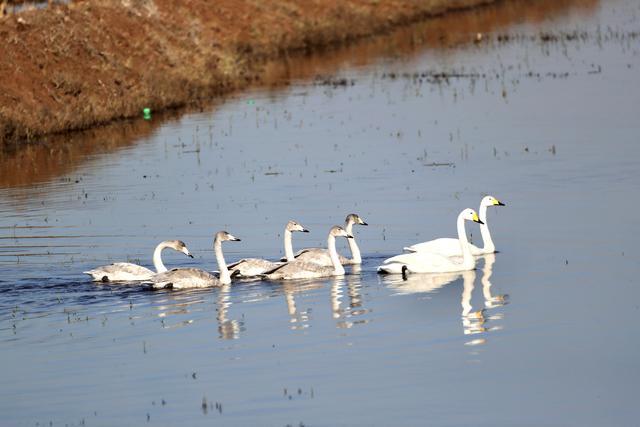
pixel 181 278
pixel 298 269
pixel 250 267
pixel 429 262
pixel 321 255
pixel 451 247
pixel 127 272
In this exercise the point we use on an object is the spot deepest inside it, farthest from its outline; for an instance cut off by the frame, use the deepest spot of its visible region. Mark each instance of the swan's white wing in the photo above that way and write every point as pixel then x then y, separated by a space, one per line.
pixel 253 266
pixel 182 278
pixel 444 246
pixel 120 271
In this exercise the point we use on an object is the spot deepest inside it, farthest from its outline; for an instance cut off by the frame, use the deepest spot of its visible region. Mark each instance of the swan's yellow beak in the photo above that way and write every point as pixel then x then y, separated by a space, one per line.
pixel 476 219
pixel 497 202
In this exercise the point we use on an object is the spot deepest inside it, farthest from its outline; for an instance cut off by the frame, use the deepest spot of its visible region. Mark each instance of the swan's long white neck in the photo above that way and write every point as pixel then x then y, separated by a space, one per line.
pixel 467 259
pixel 335 260
pixel 157 258
pixel 484 230
pixel 225 277
pixel 353 246
pixel 288 245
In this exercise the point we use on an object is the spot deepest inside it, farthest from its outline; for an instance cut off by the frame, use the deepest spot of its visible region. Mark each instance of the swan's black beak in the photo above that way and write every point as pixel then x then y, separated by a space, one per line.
pixel 235 239
pixel 405 270
pixel 478 221
pixel 363 223
pixel 501 204
pixel 190 256
pixel 349 236
pixel 304 230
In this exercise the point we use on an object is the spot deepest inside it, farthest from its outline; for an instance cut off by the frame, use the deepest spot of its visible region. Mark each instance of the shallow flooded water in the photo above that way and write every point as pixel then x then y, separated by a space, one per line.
pixel 405 130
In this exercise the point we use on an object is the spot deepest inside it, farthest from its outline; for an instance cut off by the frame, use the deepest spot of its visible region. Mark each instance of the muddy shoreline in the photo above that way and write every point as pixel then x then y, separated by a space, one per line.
pixel 74 66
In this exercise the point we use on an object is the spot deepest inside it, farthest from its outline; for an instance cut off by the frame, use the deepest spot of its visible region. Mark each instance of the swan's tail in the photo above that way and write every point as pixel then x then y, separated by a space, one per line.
pixel 409 249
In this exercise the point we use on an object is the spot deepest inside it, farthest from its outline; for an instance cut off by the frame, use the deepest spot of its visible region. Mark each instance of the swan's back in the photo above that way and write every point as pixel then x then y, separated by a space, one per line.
pixel 446 246
pixel 250 267
pixel 299 270
pixel 319 256
pixel 120 272
pixel 183 278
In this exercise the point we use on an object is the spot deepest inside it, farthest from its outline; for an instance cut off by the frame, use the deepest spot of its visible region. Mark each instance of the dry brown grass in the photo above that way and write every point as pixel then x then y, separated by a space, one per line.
pixel 74 66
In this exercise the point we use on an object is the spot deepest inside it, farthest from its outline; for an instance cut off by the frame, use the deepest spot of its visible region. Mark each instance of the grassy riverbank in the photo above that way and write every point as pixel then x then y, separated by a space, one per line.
pixel 68 67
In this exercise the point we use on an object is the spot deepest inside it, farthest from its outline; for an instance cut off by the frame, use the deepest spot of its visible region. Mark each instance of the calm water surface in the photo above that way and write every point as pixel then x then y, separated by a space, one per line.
pixel 406 131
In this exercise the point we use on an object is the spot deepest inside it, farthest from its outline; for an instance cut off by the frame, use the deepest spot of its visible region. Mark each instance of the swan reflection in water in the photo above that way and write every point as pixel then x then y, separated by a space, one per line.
pixel 474 322
pixel 193 303
pixel 299 319
pixel 228 329
pixel 490 301
pixel 344 315
pixel 424 283
pixel 174 305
